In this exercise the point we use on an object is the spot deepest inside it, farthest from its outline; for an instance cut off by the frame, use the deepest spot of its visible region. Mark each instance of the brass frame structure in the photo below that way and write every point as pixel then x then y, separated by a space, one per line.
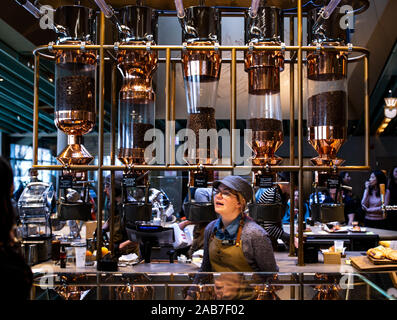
pixel 170 115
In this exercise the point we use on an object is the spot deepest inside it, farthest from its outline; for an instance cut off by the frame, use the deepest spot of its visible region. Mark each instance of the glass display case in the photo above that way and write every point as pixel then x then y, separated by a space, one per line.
pixel 214 286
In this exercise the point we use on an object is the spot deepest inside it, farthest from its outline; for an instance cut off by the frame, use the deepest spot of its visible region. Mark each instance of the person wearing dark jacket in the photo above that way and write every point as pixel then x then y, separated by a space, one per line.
pixel 16 275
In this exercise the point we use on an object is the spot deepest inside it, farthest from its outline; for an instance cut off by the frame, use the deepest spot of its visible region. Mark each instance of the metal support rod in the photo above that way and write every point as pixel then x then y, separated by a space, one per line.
pixel 100 142
pixel 36 108
pixel 172 116
pixel 291 143
pixel 233 107
pixel 222 48
pixel 113 153
pixel 366 111
pixel 167 106
pixel 197 167
pixel 300 136
pixel 112 161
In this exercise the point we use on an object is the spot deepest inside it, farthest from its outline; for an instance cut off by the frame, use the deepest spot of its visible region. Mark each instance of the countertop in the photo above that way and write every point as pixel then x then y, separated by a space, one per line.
pixel 286 264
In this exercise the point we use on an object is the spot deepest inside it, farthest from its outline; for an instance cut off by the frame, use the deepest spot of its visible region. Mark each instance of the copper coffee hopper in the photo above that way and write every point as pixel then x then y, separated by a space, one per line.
pixel 327 86
pixel 75 70
pixel 201 26
pixel 136 97
pixel 263 68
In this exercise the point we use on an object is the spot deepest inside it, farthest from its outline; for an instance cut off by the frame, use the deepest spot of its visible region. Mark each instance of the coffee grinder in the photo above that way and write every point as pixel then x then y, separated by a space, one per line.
pixel 35 206
pixel 264 27
pixel 75 111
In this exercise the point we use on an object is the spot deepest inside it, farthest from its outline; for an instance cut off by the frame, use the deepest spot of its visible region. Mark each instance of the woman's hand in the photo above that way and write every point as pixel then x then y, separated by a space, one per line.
pixel 367 185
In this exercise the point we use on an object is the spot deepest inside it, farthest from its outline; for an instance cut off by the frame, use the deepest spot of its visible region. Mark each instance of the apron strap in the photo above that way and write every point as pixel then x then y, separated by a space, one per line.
pixel 240 230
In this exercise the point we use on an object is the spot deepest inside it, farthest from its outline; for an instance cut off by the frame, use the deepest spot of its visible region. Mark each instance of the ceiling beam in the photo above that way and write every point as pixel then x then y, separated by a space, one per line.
pixel 6 100
pixel 24 73
pixel 28 89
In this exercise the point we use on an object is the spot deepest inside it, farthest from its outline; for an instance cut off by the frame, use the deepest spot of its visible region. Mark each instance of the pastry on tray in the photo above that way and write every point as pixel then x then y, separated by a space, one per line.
pixel 392 255
pixel 377 253
pixel 380 252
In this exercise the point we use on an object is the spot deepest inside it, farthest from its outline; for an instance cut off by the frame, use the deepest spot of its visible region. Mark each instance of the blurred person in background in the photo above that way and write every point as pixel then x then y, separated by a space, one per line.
pixel 16 275
pixel 286 217
pixel 391 199
pixel 350 201
pixel 371 201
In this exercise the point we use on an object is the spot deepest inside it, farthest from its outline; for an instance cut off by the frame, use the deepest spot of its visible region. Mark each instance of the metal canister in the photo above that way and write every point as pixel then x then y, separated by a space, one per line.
pixel 32 254
pixel 74 23
pixel 266 26
pixel 201 24
pixel 142 22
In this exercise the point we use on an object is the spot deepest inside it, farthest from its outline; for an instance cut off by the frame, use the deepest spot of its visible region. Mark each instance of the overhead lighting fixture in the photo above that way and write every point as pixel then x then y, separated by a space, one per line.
pixel 391 101
pixel 390 111
pixel 1 79
pixel 391 106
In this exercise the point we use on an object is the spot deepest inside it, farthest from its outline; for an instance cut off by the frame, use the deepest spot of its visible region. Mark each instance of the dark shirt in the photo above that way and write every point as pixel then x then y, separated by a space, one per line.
pixel 17 277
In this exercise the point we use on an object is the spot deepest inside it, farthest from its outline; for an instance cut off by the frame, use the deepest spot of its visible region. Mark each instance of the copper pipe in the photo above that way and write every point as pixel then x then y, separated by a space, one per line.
pixel 100 141
pixel 36 108
pixel 300 136
pixel 233 107
pixel 366 111
pixel 291 141
pixel 167 106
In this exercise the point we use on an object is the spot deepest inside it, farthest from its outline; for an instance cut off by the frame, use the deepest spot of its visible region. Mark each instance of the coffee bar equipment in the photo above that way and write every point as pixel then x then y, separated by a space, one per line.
pixel 137 55
pixel 327 86
pixel 263 68
pixel 327 212
pixel 75 109
pixel 136 104
pixel 327 100
pixel 35 206
pixel 201 26
pixel 264 27
pixel 136 116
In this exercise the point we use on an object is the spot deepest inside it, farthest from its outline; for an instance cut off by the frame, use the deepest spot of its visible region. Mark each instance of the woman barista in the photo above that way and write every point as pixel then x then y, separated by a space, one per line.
pixel 234 242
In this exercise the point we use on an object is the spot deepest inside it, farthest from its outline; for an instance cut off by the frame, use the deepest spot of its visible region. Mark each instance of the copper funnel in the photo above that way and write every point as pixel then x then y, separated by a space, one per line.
pixel 75 154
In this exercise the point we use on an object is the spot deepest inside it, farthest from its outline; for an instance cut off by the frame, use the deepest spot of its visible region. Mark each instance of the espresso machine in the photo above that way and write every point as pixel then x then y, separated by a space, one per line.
pixel 264 28
pixel 35 206
pixel 75 105
pixel 201 26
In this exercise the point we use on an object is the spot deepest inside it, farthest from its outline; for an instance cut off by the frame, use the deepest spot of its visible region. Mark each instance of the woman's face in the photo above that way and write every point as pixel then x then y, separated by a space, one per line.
pixel 225 201
pixel 372 180
pixel 347 178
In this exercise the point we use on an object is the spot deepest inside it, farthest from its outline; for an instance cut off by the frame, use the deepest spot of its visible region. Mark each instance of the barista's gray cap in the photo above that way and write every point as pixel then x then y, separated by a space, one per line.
pixel 238 184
